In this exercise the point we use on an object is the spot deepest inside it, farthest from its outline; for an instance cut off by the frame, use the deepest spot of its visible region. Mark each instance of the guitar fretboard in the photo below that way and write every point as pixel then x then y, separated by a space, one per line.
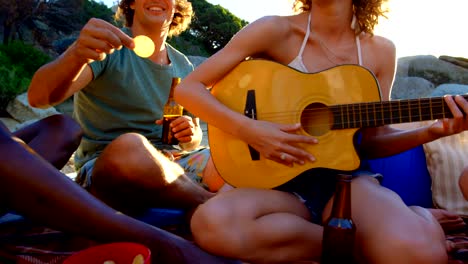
pixel 390 112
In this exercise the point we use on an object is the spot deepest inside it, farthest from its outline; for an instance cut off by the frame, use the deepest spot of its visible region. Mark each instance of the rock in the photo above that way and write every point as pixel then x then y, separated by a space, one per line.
pixel 452 89
pixel 411 88
pixel 437 71
pixel 403 65
pixel 459 61
pixel 20 109
pixel 10 123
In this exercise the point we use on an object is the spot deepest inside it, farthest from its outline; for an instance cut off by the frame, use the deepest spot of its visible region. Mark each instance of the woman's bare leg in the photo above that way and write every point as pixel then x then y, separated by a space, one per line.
pixel 258 226
pixel 390 232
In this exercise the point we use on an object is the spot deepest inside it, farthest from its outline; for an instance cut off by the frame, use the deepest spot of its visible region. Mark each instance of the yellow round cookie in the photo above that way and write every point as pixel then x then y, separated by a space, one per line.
pixel 144 46
pixel 138 259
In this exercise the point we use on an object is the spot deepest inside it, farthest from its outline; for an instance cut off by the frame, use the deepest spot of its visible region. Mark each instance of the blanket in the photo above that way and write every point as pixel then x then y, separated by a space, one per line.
pixel 23 242
pixel 27 243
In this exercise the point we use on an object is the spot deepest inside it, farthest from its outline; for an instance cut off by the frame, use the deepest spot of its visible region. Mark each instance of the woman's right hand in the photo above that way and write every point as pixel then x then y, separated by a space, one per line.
pixel 279 142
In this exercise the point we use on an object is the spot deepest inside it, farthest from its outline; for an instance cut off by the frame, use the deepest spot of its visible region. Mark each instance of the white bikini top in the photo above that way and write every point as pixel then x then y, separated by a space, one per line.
pixel 298 64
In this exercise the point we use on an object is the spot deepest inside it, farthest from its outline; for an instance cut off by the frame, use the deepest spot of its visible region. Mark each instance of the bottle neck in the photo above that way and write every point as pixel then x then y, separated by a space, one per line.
pixel 342 200
pixel 175 82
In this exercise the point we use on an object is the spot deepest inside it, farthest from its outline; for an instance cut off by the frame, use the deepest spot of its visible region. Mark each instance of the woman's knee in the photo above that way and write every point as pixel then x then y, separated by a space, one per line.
pixel 216 214
pixel 215 223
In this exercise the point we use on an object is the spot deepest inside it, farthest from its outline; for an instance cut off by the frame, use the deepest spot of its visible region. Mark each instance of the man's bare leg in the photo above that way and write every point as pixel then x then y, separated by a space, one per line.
pixel 131 174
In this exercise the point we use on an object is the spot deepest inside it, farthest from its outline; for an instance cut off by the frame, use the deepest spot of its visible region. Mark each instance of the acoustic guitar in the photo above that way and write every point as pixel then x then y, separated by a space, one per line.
pixel 331 105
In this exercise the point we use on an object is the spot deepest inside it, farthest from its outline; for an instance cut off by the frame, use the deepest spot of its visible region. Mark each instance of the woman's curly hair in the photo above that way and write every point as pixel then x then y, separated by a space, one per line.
pixel 180 22
pixel 367 12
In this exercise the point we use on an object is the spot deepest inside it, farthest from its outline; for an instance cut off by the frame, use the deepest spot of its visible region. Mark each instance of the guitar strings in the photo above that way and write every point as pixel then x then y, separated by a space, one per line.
pixel 382 115
pixel 377 108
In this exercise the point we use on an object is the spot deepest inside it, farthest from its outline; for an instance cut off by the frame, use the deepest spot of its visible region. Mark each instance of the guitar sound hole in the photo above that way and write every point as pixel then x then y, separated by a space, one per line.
pixel 317 119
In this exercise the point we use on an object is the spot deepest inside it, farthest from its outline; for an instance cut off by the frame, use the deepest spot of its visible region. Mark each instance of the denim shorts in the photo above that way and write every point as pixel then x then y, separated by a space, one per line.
pixel 193 163
pixel 316 187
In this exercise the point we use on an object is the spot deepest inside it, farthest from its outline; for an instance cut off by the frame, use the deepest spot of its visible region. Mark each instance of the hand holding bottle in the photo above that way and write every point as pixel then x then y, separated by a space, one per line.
pixel 184 129
pixel 172 111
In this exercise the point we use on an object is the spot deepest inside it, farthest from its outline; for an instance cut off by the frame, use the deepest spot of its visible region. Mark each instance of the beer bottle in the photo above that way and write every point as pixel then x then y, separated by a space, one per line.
pixel 339 230
pixel 172 110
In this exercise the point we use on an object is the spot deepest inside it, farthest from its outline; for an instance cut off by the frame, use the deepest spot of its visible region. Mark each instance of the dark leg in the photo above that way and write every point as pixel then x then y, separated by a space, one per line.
pixel 54 138
pixel 34 188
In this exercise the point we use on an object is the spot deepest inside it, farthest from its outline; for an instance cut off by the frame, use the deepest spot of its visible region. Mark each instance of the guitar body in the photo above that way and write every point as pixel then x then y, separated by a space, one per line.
pixel 284 95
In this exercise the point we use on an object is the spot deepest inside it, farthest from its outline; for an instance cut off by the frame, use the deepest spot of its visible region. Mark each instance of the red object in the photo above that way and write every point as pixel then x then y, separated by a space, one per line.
pixel 119 253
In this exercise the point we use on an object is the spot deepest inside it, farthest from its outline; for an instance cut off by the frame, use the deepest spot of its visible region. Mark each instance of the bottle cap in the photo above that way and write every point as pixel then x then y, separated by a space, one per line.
pixel 344 177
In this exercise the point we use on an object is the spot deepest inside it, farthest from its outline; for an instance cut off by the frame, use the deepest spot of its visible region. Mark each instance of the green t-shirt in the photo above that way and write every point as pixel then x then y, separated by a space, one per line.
pixel 126 95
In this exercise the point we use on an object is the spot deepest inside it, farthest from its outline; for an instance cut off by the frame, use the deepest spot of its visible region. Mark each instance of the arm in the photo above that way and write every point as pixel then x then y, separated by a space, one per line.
pixel 270 139
pixel 56 81
pixel 386 141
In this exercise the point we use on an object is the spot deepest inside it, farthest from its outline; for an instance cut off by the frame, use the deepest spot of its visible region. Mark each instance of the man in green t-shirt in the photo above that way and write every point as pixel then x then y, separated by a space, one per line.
pixel 118 101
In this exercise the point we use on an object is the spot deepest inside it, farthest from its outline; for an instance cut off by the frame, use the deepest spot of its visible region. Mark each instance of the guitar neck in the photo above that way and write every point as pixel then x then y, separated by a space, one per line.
pixel 375 114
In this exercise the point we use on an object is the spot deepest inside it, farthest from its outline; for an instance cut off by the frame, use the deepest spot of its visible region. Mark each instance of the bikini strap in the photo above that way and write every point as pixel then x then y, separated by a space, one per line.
pixel 358 41
pixel 304 42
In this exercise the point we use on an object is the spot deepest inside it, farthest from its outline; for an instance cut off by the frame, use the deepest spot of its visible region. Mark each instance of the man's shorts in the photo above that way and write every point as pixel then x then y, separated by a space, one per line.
pixel 316 187
pixel 193 164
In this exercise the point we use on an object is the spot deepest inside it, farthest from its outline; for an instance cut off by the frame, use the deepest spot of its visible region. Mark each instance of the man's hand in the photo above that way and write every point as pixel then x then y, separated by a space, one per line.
pixel 187 130
pixel 98 38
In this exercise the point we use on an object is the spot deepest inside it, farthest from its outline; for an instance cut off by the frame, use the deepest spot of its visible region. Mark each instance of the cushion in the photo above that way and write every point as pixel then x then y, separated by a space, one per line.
pixel 407 175
pixel 446 158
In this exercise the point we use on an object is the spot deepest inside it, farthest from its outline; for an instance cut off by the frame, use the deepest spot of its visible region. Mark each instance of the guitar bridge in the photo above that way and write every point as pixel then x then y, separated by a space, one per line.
pixel 250 111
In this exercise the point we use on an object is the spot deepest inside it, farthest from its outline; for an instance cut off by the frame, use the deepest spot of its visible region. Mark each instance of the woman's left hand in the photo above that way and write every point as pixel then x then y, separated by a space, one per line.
pixel 459 123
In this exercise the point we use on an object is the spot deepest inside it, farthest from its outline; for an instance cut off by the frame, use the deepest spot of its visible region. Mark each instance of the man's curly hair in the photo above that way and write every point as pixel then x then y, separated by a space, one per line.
pixel 180 22
pixel 367 12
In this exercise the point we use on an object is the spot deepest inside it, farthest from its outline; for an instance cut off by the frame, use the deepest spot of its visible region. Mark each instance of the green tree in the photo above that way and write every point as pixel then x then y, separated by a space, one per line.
pixel 214 25
pixel 18 62
pixel 92 9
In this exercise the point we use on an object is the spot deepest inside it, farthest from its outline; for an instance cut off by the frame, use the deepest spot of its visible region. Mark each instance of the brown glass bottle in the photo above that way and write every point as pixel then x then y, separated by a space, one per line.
pixel 339 229
pixel 172 110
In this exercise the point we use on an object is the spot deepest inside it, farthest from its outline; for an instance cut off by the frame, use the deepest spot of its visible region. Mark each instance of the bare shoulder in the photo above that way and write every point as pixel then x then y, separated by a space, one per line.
pixel 380 57
pixel 278 32
pixel 261 37
pixel 278 25
pixel 381 46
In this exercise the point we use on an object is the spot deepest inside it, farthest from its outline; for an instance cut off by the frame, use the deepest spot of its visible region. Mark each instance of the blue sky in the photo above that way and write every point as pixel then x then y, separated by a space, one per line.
pixel 417 27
